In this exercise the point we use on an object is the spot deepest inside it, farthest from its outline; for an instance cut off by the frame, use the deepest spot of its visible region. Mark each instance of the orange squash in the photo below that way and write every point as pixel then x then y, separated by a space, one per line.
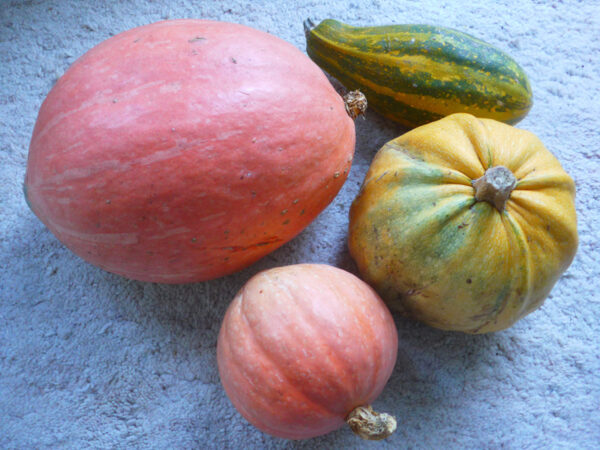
pixel 185 150
pixel 304 348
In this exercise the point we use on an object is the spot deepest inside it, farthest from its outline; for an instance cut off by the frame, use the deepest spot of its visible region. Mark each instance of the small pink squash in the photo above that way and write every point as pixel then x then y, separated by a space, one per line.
pixel 305 348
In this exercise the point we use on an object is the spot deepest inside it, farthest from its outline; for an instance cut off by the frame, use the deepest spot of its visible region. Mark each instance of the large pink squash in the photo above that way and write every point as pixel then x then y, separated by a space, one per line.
pixel 185 150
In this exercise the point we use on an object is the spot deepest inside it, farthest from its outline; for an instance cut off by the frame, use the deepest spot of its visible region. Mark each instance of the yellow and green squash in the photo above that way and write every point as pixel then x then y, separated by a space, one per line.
pixel 465 224
pixel 415 74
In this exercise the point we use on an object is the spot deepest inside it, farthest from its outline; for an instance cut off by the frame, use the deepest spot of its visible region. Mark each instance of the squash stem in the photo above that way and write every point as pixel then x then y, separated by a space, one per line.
pixel 369 424
pixel 356 103
pixel 495 186
pixel 309 25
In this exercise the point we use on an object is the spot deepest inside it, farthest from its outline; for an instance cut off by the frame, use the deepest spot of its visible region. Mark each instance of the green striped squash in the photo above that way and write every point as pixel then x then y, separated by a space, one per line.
pixel 416 74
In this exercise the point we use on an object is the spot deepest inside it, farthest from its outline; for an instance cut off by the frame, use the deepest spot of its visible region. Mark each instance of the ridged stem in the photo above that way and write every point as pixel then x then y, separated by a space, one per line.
pixel 309 25
pixel 495 186
pixel 369 424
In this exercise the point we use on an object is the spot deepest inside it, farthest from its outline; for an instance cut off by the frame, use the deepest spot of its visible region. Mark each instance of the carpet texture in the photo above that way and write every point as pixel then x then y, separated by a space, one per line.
pixel 92 360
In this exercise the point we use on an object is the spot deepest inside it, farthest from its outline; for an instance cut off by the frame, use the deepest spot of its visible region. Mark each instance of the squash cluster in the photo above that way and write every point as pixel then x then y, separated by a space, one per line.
pixel 186 150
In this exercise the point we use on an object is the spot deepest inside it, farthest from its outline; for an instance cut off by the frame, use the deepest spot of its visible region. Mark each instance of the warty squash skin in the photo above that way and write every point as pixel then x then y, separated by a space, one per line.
pixel 416 74
pixel 302 347
pixel 185 150
pixel 433 251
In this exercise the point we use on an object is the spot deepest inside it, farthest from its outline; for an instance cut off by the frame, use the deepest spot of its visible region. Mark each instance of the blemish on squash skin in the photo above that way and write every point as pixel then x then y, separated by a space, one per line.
pixel 376 232
pixel 197 39
pixel 240 248
pixel 382 175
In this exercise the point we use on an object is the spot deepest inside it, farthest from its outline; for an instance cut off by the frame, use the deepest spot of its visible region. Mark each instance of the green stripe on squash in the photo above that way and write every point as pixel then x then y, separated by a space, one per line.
pixel 415 74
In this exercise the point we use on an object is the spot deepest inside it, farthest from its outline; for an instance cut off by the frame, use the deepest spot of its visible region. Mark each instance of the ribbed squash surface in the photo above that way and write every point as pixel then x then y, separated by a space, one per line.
pixel 433 251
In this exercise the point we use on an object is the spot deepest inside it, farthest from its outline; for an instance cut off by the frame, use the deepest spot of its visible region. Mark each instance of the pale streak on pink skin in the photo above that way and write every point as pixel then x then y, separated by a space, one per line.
pixel 170 88
pixel 121 166
pixel 101 98
pixel 105 238
pixel 61 179
pixel 213 216
pixel 172 232
pixel 158 43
